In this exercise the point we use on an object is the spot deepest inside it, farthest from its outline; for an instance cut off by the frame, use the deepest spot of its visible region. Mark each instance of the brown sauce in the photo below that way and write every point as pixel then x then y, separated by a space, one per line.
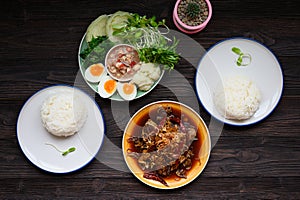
pixel 142 118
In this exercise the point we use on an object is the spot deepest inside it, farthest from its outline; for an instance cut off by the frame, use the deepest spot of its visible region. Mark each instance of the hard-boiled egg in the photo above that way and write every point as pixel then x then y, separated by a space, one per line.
pixel 127 91
pixel 107 87
pixel 94 73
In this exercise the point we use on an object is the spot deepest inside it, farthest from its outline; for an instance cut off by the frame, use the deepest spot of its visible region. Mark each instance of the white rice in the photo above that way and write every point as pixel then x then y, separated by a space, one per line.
pixel 63 114
pixel 237 98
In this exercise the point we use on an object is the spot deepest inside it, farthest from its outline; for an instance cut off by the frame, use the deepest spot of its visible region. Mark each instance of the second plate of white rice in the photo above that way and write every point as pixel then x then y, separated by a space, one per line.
pixel 219 64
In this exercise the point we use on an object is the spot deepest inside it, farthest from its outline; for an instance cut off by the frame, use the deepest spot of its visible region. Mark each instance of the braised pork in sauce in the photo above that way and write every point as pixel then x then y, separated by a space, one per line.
pixel 164 145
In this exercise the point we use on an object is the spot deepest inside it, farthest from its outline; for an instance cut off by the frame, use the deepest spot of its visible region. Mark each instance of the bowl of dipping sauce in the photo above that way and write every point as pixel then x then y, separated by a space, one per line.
pixel 122 62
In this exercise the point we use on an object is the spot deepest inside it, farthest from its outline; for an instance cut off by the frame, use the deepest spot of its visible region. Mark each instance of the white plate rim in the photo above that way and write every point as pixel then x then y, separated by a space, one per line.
pixel 280 75
pixel 22 147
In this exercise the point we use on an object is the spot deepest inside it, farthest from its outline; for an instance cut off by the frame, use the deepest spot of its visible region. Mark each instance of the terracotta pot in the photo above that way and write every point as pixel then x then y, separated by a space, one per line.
pixel 191 29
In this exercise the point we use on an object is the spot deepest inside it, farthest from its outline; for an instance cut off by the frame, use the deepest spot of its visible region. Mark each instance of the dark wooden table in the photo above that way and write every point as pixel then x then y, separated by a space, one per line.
pixel 39 44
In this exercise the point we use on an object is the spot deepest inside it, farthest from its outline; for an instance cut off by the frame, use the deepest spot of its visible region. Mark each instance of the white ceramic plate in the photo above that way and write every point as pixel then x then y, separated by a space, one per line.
pixel 32 136
pixel 93 86
pixel 220 62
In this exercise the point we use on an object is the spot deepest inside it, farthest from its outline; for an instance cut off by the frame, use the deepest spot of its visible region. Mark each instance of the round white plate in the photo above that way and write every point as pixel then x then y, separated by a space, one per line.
pixel 94 86
pixel 220 62
pixel 32 136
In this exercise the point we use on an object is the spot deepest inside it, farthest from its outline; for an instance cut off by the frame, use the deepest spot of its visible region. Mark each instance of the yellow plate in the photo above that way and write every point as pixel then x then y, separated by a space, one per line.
pixel 201 147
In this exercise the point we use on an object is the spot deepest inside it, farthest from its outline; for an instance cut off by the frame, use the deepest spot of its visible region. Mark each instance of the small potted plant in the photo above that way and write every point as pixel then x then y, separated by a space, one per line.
pixel 191 16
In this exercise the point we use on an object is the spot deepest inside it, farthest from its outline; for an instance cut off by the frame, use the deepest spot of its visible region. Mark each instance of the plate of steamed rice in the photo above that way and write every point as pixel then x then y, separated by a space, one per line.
pixel 239 81
pixel 60 129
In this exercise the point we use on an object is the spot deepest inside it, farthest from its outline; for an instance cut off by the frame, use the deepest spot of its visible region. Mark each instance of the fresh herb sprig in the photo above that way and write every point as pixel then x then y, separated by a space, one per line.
pixel 162 56
pixel 142 21
pixel 64 153
pixel 242 56
pixel 137 21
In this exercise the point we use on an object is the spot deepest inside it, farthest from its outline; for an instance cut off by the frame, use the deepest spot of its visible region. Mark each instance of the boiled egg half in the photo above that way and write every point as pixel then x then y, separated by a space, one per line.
pixel 94 73
pixel 107 87
pixel 127 91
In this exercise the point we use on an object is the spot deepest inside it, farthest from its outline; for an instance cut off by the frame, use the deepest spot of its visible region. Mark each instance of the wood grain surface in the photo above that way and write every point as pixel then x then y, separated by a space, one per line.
pixel 39 45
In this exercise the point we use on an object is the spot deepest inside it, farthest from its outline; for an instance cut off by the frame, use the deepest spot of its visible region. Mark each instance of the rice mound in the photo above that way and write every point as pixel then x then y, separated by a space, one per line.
pixel 237 98
pixel 63 114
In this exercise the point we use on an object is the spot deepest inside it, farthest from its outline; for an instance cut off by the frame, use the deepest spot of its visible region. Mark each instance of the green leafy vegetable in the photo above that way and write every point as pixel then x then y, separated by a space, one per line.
pixel 244 59
pixel 64 153
pixel 98 53
pixel 137 21
pixel 159 55
pixel 97 28
pixel 91 45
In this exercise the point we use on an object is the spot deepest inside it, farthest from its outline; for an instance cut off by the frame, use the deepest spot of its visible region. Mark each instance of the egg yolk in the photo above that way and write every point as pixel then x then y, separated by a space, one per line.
pixel 96 70
pixel 128 88
pixel 110 85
